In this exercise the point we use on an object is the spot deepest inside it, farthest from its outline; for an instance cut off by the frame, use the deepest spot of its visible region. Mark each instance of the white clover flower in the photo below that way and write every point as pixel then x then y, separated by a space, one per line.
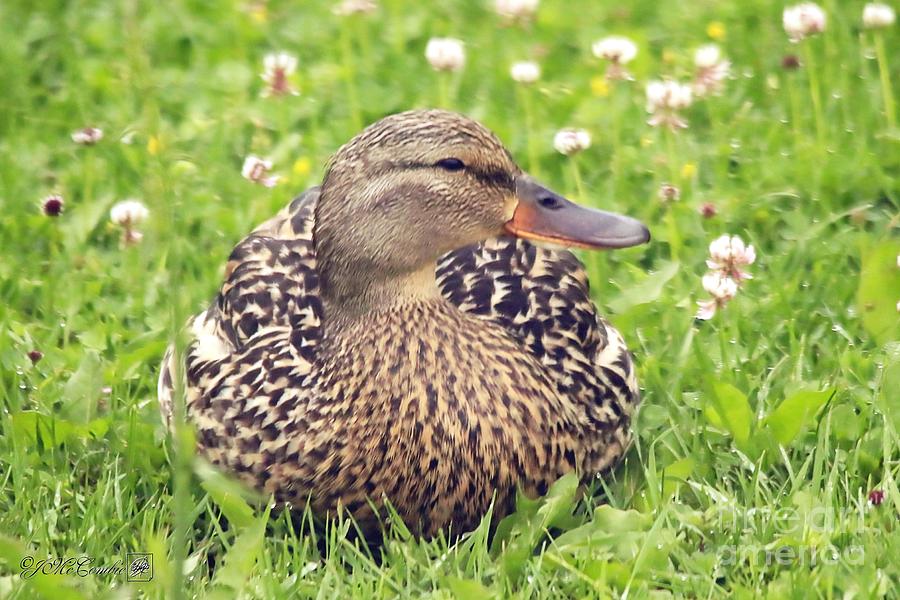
pixel 664 100
pixel 712 70
pixel 728 254
pixel 571 141
pixel 256 169
pixel 525 71
pixel 706 310
pixel 354 7
pixel 720 286
pixel 445 54
pixel 669 193
pixel 803 20
pixel 128 214
pixel 516 10
pixel 615 48
pixel 618 50
pixel 710 81
pixel 87 136
pixel 707 56
pixel 722 289
pixel 668 95
pixel 277 69
pixel 731 248
pixel 877 15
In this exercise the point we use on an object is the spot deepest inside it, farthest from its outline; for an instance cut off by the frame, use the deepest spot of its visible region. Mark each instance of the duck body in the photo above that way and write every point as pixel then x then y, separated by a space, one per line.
pixel 494 373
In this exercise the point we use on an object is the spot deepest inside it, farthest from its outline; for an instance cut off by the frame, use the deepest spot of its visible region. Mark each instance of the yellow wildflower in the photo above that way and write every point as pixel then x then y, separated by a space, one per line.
pixel 154 145
pixel 599 86
pixel 688 170
pixel 302 166
pixel 716 30
pixel 259 12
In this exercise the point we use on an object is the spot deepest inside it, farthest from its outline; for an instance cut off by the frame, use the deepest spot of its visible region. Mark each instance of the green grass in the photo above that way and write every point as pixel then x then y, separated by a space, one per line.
pixel 735 454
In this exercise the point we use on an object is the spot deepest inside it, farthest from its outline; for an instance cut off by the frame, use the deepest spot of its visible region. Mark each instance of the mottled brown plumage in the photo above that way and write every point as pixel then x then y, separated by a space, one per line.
pixel 382 337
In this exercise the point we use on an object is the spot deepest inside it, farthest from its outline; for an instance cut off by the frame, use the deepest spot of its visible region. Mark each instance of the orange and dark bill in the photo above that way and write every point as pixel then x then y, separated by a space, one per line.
pixel 544 216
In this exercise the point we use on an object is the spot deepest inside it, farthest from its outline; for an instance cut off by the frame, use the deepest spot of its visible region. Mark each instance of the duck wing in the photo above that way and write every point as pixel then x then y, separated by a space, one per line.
pixel 265 322
pixel 271 280
pixel 541 297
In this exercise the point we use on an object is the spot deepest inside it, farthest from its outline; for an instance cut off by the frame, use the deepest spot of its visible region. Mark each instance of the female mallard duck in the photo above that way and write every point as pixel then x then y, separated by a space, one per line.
pixel 396 334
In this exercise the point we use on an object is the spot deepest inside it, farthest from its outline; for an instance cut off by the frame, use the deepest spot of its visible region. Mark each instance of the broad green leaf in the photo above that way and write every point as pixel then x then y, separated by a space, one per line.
pixel 676 474
pixel 590 535
pixel 83 388
pixel 238 563
pixel 845 423
pixel 635 541
pixel 680 469
pixel 879 291
pixel 617 573
pixel 94 338
pixel 889 396
pixel 618 532
pixel 650 417
pixel 792 415
pixel 526 508
pixel 654 552
pixel 130 363
pixel 468 589
pixel 81 222
pixel 559 501
pixel 645 291
pixel 525 531
pixel 157 544
pixel 136 441
pixel 728 408
pixel 96 429
pixel 615 520
pixel 11 552
pixel 227 494
pixel 33 429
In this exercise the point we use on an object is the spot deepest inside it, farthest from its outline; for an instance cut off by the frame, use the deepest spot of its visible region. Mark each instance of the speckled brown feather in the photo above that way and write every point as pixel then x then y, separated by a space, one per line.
pixel 508 378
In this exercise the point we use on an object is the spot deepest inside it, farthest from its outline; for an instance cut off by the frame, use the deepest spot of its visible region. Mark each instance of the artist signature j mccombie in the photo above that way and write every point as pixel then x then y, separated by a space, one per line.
pixel 80 566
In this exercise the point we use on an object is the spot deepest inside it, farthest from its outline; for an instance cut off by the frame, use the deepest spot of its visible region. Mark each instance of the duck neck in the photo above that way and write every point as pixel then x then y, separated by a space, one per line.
pixel 367 264
pixel 352 294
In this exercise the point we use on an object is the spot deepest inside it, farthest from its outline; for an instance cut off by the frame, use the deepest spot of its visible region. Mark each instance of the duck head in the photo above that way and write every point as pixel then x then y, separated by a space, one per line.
pixel 418 184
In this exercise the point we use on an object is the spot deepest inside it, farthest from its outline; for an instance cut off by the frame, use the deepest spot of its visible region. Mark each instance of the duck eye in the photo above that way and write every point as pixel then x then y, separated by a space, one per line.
pixel 450 164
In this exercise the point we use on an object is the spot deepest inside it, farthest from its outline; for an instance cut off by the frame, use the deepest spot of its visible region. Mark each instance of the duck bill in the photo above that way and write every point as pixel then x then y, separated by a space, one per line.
pixel 544 216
